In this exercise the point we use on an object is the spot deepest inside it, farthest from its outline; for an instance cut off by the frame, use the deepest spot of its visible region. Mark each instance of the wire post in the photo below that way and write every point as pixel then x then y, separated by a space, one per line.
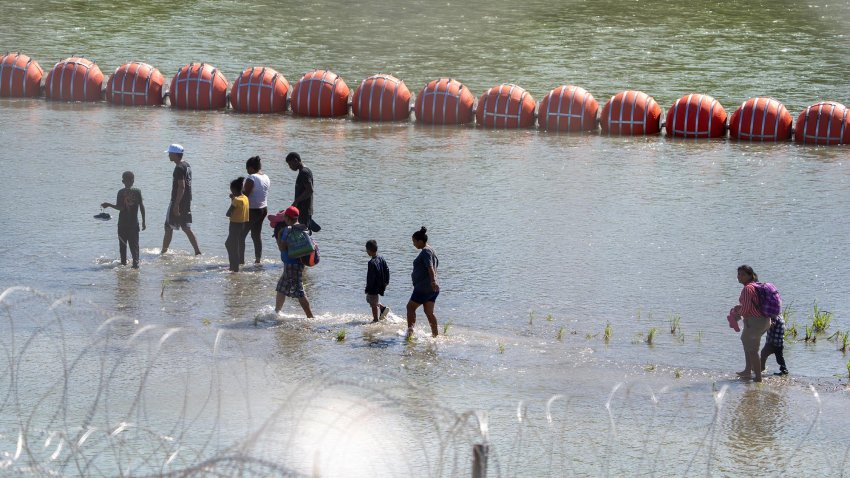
pixel 480 453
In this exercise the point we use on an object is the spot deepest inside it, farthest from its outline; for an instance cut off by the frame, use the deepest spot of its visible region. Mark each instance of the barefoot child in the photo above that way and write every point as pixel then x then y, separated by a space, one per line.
pixel 238 214
pixel 128 203
pixel 377 279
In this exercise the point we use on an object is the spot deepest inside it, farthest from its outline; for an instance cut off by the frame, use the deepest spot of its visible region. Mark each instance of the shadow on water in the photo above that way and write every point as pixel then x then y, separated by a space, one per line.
pixel 84 394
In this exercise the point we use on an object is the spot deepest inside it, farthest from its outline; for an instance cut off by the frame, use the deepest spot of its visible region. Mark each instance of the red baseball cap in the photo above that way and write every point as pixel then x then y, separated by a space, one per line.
pixel 292 211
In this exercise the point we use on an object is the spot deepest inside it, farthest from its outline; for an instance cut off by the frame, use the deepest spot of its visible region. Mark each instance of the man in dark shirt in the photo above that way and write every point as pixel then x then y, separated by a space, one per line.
pixel 303 190
pixel 179 215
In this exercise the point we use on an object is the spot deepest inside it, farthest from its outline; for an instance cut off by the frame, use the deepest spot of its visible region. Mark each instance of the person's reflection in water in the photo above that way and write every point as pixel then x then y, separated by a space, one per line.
pixel 757 427
pixel 127 291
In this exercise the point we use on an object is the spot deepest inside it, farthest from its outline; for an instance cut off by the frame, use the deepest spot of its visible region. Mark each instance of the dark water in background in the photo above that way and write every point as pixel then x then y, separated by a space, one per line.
pixel 582 230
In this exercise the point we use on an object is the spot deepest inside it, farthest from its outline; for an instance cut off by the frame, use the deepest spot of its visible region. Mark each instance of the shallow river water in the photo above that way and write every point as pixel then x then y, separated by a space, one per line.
pixel 543 240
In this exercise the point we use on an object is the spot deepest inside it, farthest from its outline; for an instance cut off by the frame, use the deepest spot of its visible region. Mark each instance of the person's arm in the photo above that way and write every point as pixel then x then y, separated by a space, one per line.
pixel 433 273
pixel 113 206
pixel 142 210
pixel 247 186
pixel 371 273
pixel 307 193
pixel 281 241
pixel 178 196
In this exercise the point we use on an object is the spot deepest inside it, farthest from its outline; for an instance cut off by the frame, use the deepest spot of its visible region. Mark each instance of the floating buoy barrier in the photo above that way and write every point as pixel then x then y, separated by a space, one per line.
pixel 506 106
pixel 381 98
pixel 568 109
pixel 825 123
pixel 631 113
pixel 260 90
pixel 761 119
pixel 320 93
pixel 74 79
pixel 20 76
pixel 135 84
pixel 444 101
pixel 696 116
pixel 198 86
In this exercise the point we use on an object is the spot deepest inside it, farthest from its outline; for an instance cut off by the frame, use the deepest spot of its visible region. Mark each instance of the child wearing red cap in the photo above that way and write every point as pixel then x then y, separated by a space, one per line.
pixel 290 283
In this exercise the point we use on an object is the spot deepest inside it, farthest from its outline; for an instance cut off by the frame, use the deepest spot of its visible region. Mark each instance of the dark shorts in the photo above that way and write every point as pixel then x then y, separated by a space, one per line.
pixel 423 297
pixel 289 283
pixel 184 220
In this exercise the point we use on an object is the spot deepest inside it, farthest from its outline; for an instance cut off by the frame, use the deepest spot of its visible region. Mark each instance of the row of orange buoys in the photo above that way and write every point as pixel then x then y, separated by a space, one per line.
pixel 322 93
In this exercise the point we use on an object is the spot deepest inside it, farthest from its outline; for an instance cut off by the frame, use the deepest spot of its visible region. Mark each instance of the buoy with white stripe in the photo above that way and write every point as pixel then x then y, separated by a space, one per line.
pixel 320 93
pixel 444 101
pixel 74 79
pixel 260 90
pixel 631 113
pixel 506 106
pixel 825 123
pixel 568 109
pixel 198 86
pixel 696 116
pixel 135 84
pixel 20 76
pixel 761 119
pixel 381 98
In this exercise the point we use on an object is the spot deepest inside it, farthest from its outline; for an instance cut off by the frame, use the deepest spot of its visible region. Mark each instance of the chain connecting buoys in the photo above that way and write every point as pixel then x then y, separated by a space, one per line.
pixel 381 98
pixel 74 79
pixel 20 76
pixel 260 90
pixel 761 119
pixel 696 116
pixel 198 86
pixel 824 123
pixel 568 109
pixel 631 113
pixel 135 84
pixel 444 101
pixel 320 93
pixel 506 106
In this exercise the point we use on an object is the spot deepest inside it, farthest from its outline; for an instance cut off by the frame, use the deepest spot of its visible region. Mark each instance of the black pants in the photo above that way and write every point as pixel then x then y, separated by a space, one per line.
pixel 235 244
pixel 255 227
pixel 128 236
pixel 771 349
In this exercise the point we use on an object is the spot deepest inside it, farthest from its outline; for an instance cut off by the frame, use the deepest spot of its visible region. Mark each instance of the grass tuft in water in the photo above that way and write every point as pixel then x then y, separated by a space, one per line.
pixel 791 332
pixel 650 336
pixel 677 373
pixel 820 318
pixel 674 323
pixel 810 335
pixel 165 283
pixel 340 335
pixel 650 368
pixel 446 327
pixel 501 347
pixel 699 337
pixel 550 318
pixel 608 332
pixel 531 317
pixel 681 337
pixel 848 369
pixel 560 335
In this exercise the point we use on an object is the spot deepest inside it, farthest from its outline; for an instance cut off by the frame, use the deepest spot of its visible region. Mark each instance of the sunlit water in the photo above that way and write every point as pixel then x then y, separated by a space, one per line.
pixel 543 240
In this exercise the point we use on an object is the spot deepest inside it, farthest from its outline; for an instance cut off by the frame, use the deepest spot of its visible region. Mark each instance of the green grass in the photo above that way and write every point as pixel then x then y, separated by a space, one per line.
pixel 650 367
pixel 608 332
pixel 681 337
pixel 820 319
pixel 446 327
pixel 501 347
pixel 791 332
pixel 560 335
pixel 650 336
pixel 677 373
pixel 674 323
pixel 340 335
pixel 550 318
pixel 810 335
pixel 699 337
pixel 531 318
pixel 848 369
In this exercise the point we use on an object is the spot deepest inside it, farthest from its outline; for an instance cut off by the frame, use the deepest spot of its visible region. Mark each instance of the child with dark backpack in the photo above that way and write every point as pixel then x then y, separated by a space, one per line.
pixel 377 279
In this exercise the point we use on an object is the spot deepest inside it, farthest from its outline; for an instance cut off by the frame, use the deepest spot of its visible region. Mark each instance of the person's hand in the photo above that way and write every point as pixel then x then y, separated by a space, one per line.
pixel 144 226
pixel 435 286
pixel 104 204
pixel 175 210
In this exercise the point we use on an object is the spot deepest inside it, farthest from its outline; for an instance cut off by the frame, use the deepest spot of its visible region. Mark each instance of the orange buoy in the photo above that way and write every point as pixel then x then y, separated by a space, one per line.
pixel 631 113
pixel 20 76
pixel 198 86
pixel 320 93
pixel 381 98
pixel 260 90
pixel 696 116
pixel 444 101
pixel 74 79
pixel 506 106
pixel 825 123
pixel 761 119
pixel 568 109
pixel 135 84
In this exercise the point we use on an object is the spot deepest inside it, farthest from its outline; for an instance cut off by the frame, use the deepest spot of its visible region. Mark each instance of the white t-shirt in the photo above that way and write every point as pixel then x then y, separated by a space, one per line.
pixel 258 195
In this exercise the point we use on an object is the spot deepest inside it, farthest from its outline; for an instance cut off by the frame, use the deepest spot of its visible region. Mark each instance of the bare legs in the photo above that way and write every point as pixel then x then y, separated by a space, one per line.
pixel 428 307
pixel 166 239
pixel 305 304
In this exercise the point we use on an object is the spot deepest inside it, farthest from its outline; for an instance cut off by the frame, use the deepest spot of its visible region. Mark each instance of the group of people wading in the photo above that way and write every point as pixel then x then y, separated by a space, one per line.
pixel 247 213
